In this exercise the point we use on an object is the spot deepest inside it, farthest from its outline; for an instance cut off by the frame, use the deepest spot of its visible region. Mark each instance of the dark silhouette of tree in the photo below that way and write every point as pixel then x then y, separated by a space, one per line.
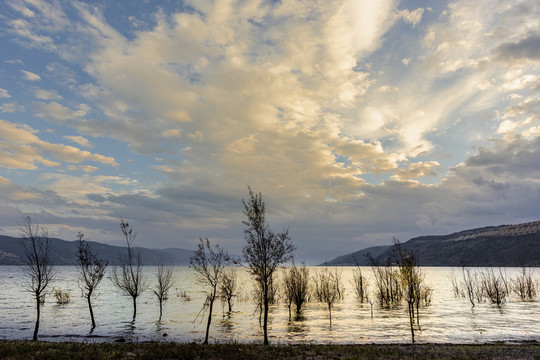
pixel 328 289
pixel 164 284
pixel 128 276
pixel 296 287
pixel 265 250
pixel 38 265
pixel 413 284
pixel 229 286
pixel 209 263
pixel 91 272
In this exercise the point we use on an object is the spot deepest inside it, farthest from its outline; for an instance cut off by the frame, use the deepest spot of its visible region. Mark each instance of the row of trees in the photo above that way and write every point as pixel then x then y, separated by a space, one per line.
pixel 479 285
pixel 265 251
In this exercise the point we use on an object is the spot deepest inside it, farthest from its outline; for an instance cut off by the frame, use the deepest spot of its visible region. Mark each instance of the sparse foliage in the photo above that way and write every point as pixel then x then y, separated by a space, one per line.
pixel 524 284
pixel 387 285
pixel 412 280
pixel 229 286
pixel 296 287
pixel 91 272
pixel 209 263
pixel 265 250
pixel 327 288
pixel 38 263
pixel 128 276
pixel 164 282
pixel 62 297
pixel 495 285
pixel 360 284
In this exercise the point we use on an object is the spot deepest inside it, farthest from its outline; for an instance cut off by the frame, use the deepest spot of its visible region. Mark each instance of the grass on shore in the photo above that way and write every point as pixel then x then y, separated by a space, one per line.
pixel 16 350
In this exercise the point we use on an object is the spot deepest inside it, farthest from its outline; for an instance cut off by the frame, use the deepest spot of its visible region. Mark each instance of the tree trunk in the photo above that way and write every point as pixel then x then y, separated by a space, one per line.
pixel 330 311
pixel 36 328
pixel 209 318
pixel 160 309
pixel 91 312
pixel 134 307
pixel 265 324
pixel 411 320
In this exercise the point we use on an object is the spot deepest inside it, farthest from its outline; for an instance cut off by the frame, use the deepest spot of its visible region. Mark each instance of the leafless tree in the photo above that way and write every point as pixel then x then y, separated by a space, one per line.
pixel 128 276
pixel 38 264
pixel 471 284
pixel 296 287
pixel 328 289
pixel 360 283
pixel 495 286
pixel 229 286
pixel 164 282
pixel 265 250
pixel 209 263
pixel 524 284
pixel 91 272
pixel 412 279
pixel 387 284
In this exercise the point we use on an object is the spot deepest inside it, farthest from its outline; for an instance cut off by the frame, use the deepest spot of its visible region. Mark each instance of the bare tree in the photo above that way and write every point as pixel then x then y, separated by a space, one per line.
pixel 296 287
pixel 229 286
pixel 495 286
pixel 265 250
pixel 359 283
pixel 209 263
pixel 412 280
pixel 164 284
pixel 91 272
pixel 128 276
pixel 38 264
pixel 524 284
pixel 328 289
pixel 470 284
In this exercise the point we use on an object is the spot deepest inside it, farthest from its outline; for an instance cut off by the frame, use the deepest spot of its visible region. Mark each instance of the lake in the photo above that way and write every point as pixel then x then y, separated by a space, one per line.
pixel 448 319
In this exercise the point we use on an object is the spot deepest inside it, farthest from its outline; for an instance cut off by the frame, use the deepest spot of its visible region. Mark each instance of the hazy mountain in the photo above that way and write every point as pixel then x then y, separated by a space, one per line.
pixel 505 245
pixel 65 253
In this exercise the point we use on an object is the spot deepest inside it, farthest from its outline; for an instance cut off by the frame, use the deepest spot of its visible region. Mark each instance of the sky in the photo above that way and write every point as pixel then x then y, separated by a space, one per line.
pixel 357 121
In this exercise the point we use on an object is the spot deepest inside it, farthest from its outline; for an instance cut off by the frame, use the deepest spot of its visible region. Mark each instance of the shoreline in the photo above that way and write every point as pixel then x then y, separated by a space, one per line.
pixel 25 349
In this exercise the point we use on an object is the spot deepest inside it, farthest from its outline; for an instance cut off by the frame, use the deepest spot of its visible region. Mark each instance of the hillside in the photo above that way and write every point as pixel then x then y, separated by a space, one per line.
pixel 64 253
pixel 505 245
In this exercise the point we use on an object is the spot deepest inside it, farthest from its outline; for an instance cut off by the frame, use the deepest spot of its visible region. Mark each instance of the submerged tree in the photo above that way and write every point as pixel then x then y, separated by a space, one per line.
pixel 524 284
pixel 360 283
pixel 328 289
pixel 91 272
pixel 229 286
pixel 265 250
pixel 38 264
pixel 128 276
pixel 209 263
pixel 296 287
pixel 413 283
pixel 164 283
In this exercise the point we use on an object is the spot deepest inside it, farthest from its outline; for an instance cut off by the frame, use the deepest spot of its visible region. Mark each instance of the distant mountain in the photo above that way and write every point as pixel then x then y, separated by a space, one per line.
pixel 505 245
pixel 65 253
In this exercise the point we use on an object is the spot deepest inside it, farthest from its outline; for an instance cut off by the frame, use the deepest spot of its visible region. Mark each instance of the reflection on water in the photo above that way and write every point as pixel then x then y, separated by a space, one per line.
pixel 447 319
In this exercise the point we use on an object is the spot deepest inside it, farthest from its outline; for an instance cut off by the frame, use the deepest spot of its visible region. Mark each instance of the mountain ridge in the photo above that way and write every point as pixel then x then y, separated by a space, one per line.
pixel 503 245
pixel 64 252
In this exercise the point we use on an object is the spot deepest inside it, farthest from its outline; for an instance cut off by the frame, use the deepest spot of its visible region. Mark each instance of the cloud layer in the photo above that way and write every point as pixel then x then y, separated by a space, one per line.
pixel 357 121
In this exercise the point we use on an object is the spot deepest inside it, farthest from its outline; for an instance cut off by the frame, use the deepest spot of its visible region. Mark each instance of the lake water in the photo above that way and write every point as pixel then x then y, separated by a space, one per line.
pixel 447 320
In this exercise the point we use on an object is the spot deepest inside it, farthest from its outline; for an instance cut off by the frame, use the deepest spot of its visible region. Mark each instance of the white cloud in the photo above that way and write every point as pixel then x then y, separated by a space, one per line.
pixel 4 93
pixel 79 140
pixel 30 76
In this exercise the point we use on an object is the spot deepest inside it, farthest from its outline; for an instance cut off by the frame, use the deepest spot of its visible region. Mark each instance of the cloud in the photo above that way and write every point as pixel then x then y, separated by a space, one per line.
pixel 4 93
pixel 526 48
pixel 411 17
pixel 30 76
pixel 47 94
pixel 21 149
pixel 79 140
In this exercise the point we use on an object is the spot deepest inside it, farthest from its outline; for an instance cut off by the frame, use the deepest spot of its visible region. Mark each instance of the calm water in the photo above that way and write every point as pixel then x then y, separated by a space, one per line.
pixel 447 319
